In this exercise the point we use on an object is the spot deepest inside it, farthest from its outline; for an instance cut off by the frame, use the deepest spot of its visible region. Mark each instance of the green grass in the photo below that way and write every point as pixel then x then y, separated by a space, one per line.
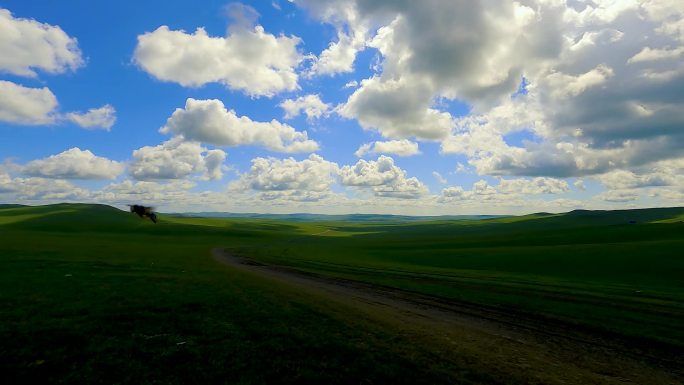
pixel 588 268
pixel 90 294
pixel 94 295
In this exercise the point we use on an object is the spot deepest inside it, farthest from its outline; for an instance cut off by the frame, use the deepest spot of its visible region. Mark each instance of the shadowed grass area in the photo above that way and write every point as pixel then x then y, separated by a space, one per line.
pixel 116 299
pixel 591 268
pixel 91 294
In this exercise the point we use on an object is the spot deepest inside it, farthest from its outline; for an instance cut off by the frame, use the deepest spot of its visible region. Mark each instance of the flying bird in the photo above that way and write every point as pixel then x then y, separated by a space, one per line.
pixel 144 211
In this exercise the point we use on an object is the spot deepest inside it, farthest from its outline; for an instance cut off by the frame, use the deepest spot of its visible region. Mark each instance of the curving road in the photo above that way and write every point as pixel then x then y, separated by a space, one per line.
pixel 543 350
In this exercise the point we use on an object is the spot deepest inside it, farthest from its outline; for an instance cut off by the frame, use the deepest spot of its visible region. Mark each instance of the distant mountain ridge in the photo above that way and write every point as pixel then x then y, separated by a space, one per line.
pixel 304 217
pixel 90 216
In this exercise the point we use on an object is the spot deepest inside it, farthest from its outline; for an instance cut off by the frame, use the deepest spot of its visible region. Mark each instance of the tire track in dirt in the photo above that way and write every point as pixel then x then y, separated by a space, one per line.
pixel 521 339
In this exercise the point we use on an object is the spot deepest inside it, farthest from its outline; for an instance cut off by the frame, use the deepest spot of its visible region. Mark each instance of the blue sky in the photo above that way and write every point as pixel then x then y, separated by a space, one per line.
pixel 541 106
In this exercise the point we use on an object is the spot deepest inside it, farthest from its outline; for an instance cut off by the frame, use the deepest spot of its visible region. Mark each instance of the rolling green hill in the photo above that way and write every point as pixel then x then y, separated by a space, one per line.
pixel 93 294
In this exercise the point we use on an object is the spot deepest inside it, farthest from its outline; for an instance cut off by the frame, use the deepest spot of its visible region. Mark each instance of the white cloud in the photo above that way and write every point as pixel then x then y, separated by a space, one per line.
pixel 311 179
pixel 563 85
pixel 664 173
pixel 24 105
pixel 482 188
pixel 539 185
pixel 434 51
pixel 351 84
pixel 402 147
pixel 512 191
pixel 208 121
pixel 311 105
pixel 247 59
pixel 39 106
pixel 600 89
pixel 103 117
pixel 175 159
pixel 27 45
pixel 42 190
pixel 288 179
pixel 620 196
pixel 439 177
pixel 340 55
pixel 454 193
pixel 6 184
pixel 397 108
pixel 352 33
pixel 74 164
pixel 383 178
pixel 654 54
pixel 174 192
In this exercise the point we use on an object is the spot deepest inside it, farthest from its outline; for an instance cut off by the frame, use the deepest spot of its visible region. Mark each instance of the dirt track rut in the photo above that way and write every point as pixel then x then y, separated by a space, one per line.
pixel 542 348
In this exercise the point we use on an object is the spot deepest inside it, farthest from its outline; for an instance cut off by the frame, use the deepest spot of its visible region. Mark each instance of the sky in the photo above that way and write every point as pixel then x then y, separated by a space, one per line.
pixel 343 106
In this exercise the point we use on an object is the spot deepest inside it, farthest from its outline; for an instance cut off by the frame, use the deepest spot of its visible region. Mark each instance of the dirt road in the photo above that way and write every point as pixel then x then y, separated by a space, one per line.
pixel 517 346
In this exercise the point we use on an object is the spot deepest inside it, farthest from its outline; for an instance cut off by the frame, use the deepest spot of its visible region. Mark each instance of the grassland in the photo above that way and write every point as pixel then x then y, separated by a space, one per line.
pixel 90 294
pixel 589 268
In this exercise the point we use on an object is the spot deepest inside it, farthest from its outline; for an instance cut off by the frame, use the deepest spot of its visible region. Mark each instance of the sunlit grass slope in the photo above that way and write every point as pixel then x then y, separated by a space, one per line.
pixel 93 294
pixel 620 271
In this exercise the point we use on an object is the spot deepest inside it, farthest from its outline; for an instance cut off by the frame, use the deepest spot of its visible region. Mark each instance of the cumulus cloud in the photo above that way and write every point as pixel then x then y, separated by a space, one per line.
pixel 27 45
pixel 509 190
pixel 595 83
pixel 539 185
pixel 42 190
pixel 466 51
pixel 74 164
pixel 439 50
pixel 24 105
pixel 654 54
pixel 620 196
pixel 340 55
pixel 383 178
pixel 38 106
pixel 175 159
pixel 397 108
pixel 623 179
pixel 312 179
pixel 208 121
pixel 564 85
pixel 248 59
pixel 352 32
pixel 103 118
pixel 439 177
pixel 146 192
pixel 289 179
pixel 310 105
pixel 402 147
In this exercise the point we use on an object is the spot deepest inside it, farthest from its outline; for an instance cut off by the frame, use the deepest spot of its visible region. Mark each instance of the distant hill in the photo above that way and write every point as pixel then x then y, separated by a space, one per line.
pixel 86 217
pixel 582 218
pixel 67 217
pixel 10 206
pixel 304 217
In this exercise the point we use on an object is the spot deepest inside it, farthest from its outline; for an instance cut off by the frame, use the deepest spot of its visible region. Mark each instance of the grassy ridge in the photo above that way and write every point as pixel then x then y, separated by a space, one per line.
pixel 95 295
pixel 591 268
pixel 91 294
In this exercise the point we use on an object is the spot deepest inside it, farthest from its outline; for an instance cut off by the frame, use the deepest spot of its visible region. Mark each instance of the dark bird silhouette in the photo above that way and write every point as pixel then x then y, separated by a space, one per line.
pixel 144 211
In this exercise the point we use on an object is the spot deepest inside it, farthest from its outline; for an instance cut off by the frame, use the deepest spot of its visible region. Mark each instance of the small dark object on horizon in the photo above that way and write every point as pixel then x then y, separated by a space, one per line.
pixel 144 211
pixel 632 222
